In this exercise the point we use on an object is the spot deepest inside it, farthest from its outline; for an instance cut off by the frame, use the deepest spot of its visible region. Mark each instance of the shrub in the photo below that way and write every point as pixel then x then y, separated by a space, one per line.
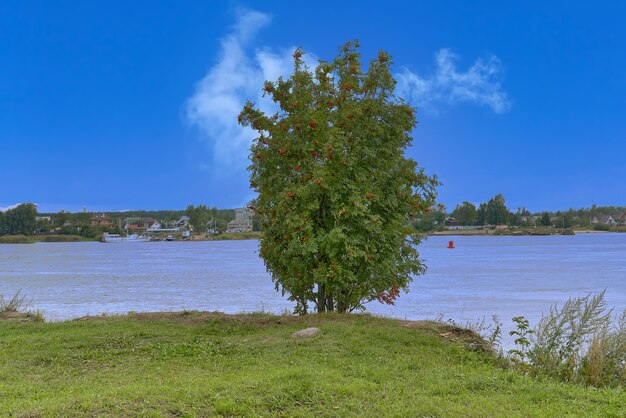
pixel 580 343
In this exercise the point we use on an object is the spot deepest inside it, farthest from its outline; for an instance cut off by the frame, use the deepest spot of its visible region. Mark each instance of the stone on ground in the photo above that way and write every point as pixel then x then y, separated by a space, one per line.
pixel 305 333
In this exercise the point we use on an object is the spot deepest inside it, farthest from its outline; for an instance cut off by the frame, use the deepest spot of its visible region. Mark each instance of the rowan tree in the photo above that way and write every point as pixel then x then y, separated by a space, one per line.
pixel 335 190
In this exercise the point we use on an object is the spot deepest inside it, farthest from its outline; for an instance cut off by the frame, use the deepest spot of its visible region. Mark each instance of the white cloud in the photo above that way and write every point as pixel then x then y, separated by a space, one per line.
pixel 243 67
pixel 219 95
pixel 480 84
pixel 238 75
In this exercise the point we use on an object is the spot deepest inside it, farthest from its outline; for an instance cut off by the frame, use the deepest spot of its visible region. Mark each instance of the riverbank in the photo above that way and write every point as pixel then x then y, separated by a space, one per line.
pixel 30 239
pixel 510 231
pixel 199 364
pixel 524 232
pixel 229 236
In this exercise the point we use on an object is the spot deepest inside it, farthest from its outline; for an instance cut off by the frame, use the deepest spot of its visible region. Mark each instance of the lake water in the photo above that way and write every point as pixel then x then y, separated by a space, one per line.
pixel 506 276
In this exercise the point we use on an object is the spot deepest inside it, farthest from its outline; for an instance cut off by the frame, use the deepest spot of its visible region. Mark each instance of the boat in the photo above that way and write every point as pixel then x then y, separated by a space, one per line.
pixel 169 238
pixel 129 238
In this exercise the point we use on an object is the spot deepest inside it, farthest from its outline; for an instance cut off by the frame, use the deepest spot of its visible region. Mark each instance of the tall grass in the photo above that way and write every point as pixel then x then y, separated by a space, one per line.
pixel 18 307
pixel 581 342
pixel 23 239
pixel 16 303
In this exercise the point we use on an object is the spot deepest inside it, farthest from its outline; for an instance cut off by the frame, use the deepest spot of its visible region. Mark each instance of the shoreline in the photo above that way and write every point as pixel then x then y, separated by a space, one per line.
pixel 32 239
pixel 256 235
pixel 516 233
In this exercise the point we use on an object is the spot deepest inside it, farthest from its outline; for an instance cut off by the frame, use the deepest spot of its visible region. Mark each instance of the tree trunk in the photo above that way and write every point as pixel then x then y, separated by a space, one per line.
pixel 330 306
pixel 321 298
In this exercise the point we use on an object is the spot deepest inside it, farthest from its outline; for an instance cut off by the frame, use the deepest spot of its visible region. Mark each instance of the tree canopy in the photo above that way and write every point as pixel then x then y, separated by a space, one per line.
pixel 335 190
pixel 19 220
pixel 466 213
pixel 494 212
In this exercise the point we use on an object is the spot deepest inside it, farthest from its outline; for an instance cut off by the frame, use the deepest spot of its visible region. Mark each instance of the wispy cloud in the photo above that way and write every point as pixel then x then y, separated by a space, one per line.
pixel 243 66
pixel 480 84
pixel 219 95
pixel 238 75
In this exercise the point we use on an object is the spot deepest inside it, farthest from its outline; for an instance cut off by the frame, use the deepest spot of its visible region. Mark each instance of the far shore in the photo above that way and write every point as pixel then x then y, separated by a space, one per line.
pixel 31 239
pixel 256 235
pixel 515 232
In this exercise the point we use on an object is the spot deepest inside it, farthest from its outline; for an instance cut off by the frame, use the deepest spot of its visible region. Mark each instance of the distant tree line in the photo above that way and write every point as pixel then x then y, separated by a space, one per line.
pixel 201 218
pixel 495 212
pixel 21 220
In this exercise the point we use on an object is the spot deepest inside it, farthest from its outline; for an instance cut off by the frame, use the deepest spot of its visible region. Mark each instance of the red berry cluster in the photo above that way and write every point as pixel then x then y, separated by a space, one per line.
pixel 389 297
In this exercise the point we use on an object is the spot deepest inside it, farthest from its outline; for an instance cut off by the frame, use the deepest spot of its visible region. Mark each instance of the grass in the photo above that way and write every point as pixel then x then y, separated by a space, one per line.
pixel 202 364
pixel 237 236
pixel 29 239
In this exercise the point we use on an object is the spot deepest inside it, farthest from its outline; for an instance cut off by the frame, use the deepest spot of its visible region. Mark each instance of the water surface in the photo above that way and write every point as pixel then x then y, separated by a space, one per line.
pixel 506 276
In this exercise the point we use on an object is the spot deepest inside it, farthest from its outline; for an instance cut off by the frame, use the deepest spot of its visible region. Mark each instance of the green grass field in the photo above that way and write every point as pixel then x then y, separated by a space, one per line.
pixel 200 364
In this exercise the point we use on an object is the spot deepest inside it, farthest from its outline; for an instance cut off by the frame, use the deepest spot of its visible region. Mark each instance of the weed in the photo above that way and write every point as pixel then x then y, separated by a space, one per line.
pixel 18 308
pixel 577 343
pixel 522 334
pixel 16 303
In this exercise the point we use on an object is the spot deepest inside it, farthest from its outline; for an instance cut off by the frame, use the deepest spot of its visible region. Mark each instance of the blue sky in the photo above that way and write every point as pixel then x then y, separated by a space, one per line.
pixel 129 105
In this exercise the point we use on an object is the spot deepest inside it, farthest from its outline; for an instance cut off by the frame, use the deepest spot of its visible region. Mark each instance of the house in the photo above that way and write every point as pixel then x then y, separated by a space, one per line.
pixel 137 223
pixel 43 218
pixel 603 220
pixel 101 219
pixel 242 222
pixel 451 223
pixel 183 222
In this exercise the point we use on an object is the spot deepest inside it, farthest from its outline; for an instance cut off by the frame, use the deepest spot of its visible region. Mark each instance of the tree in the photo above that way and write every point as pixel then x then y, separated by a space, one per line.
pixel 20 220
pixel 62 217
pixel 199 217
pixel 496 212
pixel 465 213
pixel 481 213
pixel 545 219
pixel 3 225
pixel 431 219
pixel 335 190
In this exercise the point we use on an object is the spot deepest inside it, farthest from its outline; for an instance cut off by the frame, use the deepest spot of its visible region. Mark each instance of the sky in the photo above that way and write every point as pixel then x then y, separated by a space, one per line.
pixel 132 105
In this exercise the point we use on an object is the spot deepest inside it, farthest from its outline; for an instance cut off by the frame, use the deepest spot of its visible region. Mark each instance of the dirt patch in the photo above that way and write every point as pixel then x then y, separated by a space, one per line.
pixel 17 316
pixel 453 333
pixel 197 317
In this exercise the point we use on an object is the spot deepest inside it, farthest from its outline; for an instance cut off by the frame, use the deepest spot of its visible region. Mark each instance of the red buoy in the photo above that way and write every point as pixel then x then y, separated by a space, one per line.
pixel 451 244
